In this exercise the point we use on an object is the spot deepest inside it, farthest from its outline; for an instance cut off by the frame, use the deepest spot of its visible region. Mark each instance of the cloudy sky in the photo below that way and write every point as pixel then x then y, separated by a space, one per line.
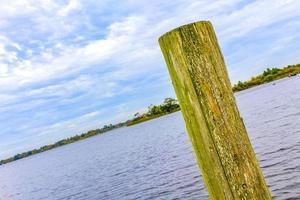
pixel 68 66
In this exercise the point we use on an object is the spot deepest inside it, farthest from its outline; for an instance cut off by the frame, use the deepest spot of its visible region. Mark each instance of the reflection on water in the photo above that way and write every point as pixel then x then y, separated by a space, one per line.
pixel 154 160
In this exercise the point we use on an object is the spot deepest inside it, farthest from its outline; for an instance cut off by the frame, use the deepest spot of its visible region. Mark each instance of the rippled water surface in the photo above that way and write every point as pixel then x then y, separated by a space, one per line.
pixel 154 160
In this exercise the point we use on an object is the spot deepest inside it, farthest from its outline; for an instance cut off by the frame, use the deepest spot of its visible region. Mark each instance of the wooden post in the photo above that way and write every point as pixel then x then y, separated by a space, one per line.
pixel 218 135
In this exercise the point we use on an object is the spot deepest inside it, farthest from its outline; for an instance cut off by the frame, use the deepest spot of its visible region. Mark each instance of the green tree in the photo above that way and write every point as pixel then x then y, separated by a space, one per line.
pixel 169 105
pixel 154 110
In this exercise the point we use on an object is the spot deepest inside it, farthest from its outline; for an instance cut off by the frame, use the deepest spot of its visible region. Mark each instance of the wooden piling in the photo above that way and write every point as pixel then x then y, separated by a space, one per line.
pixel 223 150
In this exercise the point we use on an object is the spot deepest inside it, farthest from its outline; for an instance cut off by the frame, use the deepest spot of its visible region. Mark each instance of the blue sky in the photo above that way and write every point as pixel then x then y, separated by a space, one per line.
pixel 69 66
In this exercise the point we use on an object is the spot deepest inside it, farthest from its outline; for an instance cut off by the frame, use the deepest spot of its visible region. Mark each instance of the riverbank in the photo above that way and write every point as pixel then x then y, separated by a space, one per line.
pixel 63 142
pixel 267 76
pixel 168 106
pixel 147 118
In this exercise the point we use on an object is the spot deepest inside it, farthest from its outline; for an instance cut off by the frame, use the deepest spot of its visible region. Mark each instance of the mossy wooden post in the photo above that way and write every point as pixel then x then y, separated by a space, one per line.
pixel 218 135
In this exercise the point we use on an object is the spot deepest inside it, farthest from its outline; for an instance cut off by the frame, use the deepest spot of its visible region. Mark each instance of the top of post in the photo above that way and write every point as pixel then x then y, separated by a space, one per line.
pixel 184 26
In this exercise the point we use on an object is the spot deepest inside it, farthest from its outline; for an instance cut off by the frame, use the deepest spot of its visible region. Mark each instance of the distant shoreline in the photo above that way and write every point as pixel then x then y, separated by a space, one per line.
pixel 267 76
pixel 150 118
pixel 167 107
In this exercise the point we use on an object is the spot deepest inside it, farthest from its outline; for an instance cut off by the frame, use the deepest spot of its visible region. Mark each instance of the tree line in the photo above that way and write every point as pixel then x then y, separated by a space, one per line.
pixel 169 105
pixel 69 140
pixel 267 76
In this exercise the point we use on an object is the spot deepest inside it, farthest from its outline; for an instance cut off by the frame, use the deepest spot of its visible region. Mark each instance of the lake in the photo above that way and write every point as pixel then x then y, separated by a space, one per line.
pixel 154 159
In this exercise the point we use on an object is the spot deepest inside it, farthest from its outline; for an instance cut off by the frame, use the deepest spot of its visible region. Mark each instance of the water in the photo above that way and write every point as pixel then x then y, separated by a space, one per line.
pixel 154 160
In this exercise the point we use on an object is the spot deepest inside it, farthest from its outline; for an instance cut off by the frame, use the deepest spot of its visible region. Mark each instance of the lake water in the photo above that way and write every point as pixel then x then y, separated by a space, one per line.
pixel 154 160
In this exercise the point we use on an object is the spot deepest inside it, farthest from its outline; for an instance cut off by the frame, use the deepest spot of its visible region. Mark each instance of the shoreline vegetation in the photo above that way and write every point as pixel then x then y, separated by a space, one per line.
pixel 169 105
pixel 267 76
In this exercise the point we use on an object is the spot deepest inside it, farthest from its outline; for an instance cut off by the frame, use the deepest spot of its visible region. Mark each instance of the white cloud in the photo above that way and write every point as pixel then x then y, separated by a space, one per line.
pixel 254 16
pixel 2 49
pixel 3 69
pixel 65 89
pixel 15 8
pixel 7 99
pixel 71 6
pixel 78 125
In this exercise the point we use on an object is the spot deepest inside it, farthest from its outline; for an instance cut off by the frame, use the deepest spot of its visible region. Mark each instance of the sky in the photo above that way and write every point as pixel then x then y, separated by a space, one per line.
pixel 70 66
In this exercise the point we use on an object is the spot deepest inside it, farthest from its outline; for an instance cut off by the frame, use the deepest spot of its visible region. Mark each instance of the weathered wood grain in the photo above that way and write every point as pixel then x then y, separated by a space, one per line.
pixel 218 135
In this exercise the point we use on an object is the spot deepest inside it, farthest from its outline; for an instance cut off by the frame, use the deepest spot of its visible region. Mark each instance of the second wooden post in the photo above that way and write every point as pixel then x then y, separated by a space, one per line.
pixel 219 138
